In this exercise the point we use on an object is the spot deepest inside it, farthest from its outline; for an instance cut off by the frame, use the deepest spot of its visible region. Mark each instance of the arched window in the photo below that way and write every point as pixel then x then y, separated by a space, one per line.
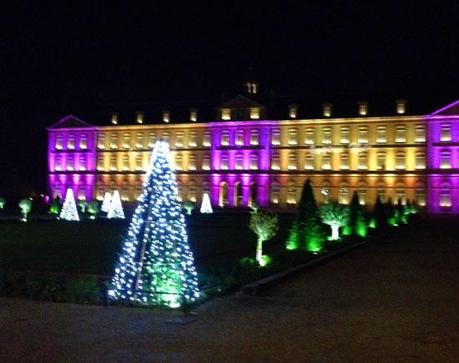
pixel 291 192
pixel 223 194
pixel 238 199
pixel 400 193
pixel 343 194
pixel 239 165
pixel 253 194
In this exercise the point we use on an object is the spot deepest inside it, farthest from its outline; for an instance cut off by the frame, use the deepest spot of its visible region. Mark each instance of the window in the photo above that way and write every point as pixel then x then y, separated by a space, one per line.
pixel 178 161
pixel 400 133
pixel 139 117
pixel 445 197
pixel 275 193
pixel 254 161
pixel 292 136
pixel 70 162
pixel 363 108
pixel 125 191
pixel 362 193
pixel 344 138
pixel 125 162
pixel 139 140
pixel 400 160
pixel 400 107
pixel 325 193
pixel 381 194
pixel 165 136
pixel 381 134
pixel 101 141
pixel 381 160
pixel 114 118
pixel 420 133
pixel 239 165
pixel 326 161
pixel 445 132
pixel 206 139
pixel 114 141
pixel 71 142
pixel 254 113
pixel 275 137
pixel 363 160
pixel 179 139
pixel 445 159
pixel 420 160
pixel 226 114
pixel 139 162
pixel 59 143
pixel 420 195
pixel 292 111
pixel 151 139
pixel 254 137
pixel 58 163
pixel 240 137
pixel 113 165
pixel 363 135
pixel 192 141
pixel 192 162
pixel 206 162
pixel 193 115
pixel 83 142
pixel 326 135
pixel 224 162
pixel 327 109
pixel 224 138
pixel 400 194
pixel 309 161
pixel 309 136
pixel 100 163
pixel 192 191
pixel 275 162
pixel 166 116
pixel 344 161
pixel 126 141
pixel 292 161
pixel 343 195
pixel 291 193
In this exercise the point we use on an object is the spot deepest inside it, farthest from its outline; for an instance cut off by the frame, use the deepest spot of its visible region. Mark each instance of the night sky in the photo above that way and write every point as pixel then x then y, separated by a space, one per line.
pixel 61 59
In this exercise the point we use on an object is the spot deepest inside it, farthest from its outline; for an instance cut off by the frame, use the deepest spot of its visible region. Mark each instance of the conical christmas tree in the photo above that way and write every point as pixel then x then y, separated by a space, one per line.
pixel 156 265
pixel 206 207
pixel 69 210
pixel 106 202
pixel 115 209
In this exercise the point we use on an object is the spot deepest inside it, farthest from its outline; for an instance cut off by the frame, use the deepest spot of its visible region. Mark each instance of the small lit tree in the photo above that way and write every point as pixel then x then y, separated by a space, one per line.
pixel 69 210
pixel 336 216
pixel 26 206
pixel 93 209
pixel 115 209
pixel 206 207
pixel 56 205
pixel 2 202
pixel 83 205
pixel 106 202
pixel 189 206
pixel 265 226
pixel 357 223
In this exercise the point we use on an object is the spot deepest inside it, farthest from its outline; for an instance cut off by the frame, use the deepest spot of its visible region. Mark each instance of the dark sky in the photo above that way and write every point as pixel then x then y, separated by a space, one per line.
pixel 63 58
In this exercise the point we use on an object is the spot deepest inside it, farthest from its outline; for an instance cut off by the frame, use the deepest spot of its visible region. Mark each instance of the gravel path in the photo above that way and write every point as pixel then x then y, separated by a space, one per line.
pixel 396 301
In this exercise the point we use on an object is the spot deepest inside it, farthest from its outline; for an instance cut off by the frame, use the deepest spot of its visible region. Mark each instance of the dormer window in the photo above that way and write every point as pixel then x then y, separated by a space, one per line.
pixel 254 113
pixel 400 106
pixel 193 115
pixel 327 109
pixel 363 108
pixel 292 111
pixel 226 114
pixel 166 116
pixel 114 118
pixel 252 87
pixel 139 117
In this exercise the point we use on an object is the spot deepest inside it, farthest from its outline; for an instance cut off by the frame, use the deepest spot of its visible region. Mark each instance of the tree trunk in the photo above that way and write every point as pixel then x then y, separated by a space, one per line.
pixel 259 256
pixel 335 232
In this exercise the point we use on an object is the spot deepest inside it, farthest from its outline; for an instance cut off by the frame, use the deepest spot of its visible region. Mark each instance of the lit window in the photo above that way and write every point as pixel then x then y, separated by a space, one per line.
pixel 309 136
pixel 400 107
pixel 83 142
pixel 363 160
pixel 400 194
pixel 151 139
pixel 363 135
pixel 165 136
pixel 101 141
pixel 381 160
pixel 166 116
pixel 309 161
pixel 113 165
pixel 363 108
pixel 254 162
pixel 139 162
pixel 139 140
pixel 71 142
pixel 100 163
pixel 192 141
pixel 362 193
pixel 59 143
pixel 445 197
pixel 82 162
pixel 400 133
pixel 381 193
pixel 224 138
pixel 325 194
pixel 292 136
pixel 114 141
pixel 125 192
pixel 206 139
pixel 326 135
pixel 420 160
pixel 139 117
pixel 381 134
pixel 445 132
pixel 254 137
pixel 126 162
pixel 126 141
pixel 114 118
pixel 275 162
pixel 420 195
pixel 344 138
pixel 179 139
pixel 224 162
pixel 240 137
pixel 292 111
pixel 192 191
pixel 206 162
pixel 326 161
pixel 445 159
pixel 239 162
pixel 70 163
pixel 192 162
pixel 275 193
pixel 420 133
pixel 292 161
pixel 193 115
pixel 344 161
pixel 226 114
pixel 400 160
pixel 327 109
pixel 343 195
pixel 178 161
pixel 291 193
pixel 275 137
pixel 58 163
pixel 254 113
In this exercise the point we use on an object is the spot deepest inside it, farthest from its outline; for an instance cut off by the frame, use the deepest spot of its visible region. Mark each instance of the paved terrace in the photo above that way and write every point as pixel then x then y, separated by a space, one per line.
pixel 394 301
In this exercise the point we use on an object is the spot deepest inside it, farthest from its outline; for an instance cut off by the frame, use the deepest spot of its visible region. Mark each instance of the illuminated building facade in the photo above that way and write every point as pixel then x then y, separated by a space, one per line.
pixel 243 154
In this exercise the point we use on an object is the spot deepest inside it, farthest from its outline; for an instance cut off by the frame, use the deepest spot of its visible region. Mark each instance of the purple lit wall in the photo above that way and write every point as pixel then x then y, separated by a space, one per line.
pixel 443 182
